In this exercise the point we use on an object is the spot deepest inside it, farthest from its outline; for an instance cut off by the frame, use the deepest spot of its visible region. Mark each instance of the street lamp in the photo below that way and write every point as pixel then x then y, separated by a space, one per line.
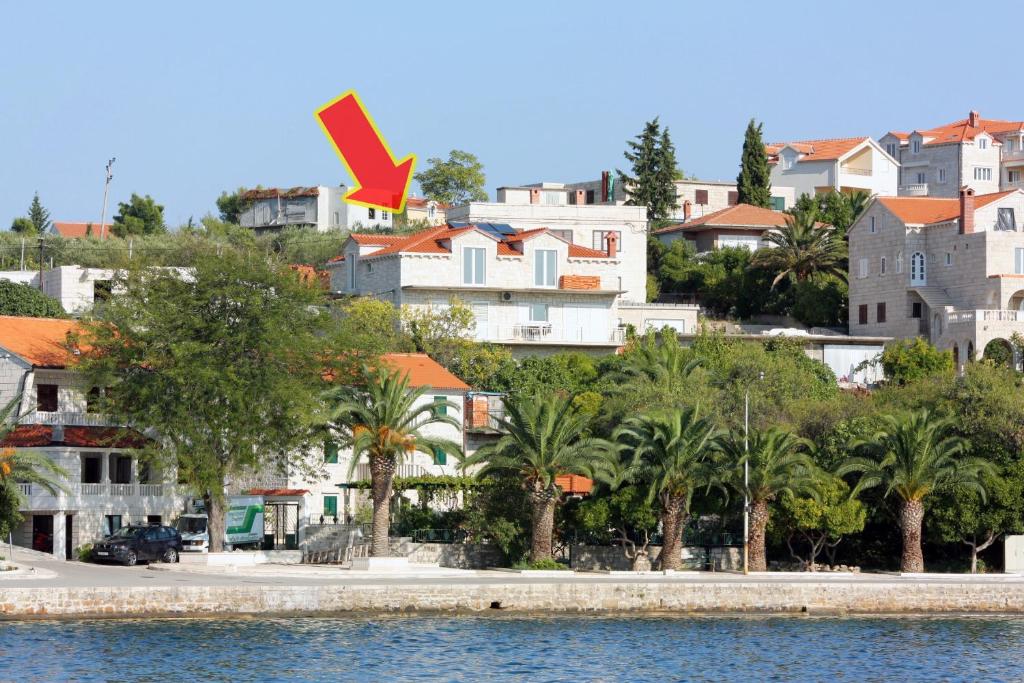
pixel 746 475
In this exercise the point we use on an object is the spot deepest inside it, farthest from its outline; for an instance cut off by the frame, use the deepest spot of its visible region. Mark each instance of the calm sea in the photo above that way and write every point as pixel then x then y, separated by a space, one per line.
pixel 499 648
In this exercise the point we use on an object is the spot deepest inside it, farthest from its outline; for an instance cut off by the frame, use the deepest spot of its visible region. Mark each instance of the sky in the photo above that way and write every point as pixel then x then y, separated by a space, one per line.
pixel 196 98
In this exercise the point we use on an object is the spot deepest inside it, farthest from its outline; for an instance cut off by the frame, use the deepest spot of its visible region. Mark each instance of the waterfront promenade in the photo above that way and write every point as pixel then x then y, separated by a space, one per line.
pixel 82 590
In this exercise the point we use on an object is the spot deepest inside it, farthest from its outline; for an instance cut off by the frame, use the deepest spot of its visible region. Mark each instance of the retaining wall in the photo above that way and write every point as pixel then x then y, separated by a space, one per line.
pixel 603 557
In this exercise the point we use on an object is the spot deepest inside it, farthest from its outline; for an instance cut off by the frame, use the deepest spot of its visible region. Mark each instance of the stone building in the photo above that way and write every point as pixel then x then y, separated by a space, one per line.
pixel 949 270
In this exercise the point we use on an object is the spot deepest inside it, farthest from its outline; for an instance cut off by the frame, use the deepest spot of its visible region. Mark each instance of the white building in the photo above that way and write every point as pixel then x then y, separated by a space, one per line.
pixel 321 208
pixel 985 154
pixel 107 487
pixel 843 165
pixel 741 225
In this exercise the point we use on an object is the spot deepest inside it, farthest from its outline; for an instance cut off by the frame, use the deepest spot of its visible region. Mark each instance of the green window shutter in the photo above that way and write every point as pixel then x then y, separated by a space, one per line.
pixel 779 203
pixel 440 457
pixel 330 506
pixel 439 406
pixel 330 452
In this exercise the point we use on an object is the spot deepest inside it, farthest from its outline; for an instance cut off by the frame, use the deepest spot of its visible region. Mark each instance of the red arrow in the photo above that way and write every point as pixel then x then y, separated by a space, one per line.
pixel 380 181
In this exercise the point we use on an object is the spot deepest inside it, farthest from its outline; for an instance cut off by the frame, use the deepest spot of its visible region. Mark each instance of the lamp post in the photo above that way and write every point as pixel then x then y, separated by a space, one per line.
pixel 746 476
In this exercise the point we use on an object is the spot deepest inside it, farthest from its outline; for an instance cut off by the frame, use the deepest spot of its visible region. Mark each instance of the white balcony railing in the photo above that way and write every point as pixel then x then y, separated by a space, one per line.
pixel 93 489
pixel 855 171
pixel 914 190
pixel 545 332
pixel 985 315
pixel 66 418
pixel 77 489
pixel 404 470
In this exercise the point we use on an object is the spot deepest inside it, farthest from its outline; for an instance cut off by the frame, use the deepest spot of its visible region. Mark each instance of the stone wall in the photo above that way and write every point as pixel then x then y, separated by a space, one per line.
pixel 457 555
pixel 612 558
pixel 854 597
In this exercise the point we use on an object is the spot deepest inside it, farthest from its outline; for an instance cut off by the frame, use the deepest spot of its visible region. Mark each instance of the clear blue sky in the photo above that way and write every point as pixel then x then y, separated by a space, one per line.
pixel 195 98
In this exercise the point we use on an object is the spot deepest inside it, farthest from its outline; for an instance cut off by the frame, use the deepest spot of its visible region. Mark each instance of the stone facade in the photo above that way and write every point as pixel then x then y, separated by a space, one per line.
pixel 613 558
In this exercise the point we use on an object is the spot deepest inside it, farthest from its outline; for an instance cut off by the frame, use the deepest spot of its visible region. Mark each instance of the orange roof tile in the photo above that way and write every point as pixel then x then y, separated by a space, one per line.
pixel 422 203
pixel 930 210
pixel 74 230
pixel 423 371
pixel 39 341
pixel 36 435
pixel 818 150
pixel 738 216
pixel 577 251
pixel 962 130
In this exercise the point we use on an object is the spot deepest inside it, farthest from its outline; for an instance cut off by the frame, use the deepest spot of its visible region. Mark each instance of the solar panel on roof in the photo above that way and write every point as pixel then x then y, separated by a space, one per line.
pixel 457 224
pixel 504 228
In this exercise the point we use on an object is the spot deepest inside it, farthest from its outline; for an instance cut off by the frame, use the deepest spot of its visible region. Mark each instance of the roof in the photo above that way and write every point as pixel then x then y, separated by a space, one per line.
pixel 828 149
pixel 738 216
pixel 36 436
pixel 284 193
pixel 929 210
pixel 423 203
pixel 423 371
pixel 74 230
pixel 39 341
pixel 966 129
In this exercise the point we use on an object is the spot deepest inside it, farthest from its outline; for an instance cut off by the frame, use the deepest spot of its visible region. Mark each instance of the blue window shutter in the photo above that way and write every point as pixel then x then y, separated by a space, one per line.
pixel 440 457
pixel 439 405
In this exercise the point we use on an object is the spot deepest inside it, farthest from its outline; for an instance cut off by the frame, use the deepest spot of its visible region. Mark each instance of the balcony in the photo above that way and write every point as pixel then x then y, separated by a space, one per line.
pixel 78 495
pixel 546 333
pixel 855 171
pixel 66 419
pixel 986 315
pixel 914 190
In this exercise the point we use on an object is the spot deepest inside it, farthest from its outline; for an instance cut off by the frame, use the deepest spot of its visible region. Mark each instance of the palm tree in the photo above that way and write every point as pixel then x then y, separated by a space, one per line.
pixel 663 362
pixel 913 456
pixel 803 248
pixel 858 200
pixel 22 466
pixel 673 454
pixel 384 421
pixel 778 463
pixel 542 437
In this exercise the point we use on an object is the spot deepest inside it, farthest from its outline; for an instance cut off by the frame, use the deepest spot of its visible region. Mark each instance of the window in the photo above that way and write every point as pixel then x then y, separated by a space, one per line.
pixel 601 240
pixel 331 507
pixel 1018 261
pixel 949 258
pixel 337 218
pixel 551 198
pixel 899 261
pixel 916 310
pixel 369 267
pixel 1010 145
pixel 915 145
pixel 92 400
pixel 890 149
pixel 120 469
pixel 538 313
pixel 881 268
pixel 372 213
pixel 700 197
pixel 1005 219
pixel 158 519
pixel 563 234
pixel 862 269
pixel 872 224
pixel 1013 176
pixel 440 457
pixel 111 523
pixel 352 272
pixel 880 312
pixel 862 314
pixel 473 266
pixel 983 173
pixel 779 203
pixel 922 178
pixel 431 212
pixel 590 196
pixel 92 468
pixel 545 268
pixel 440 406
pixel 383 215
pixel 941 175
pixel 982 143
pixel 46 397
pixel 330 452
pixel 733 198
pixel 917 269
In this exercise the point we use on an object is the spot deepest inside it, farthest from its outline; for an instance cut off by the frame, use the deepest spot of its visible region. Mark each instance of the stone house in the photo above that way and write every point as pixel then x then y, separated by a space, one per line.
pixel 986 154
pixel 107 486
pixel 949 270
pixel 842 164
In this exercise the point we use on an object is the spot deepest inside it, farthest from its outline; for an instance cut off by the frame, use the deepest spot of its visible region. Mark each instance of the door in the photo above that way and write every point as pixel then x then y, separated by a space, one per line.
pixel 68 536
pixel 481 309
pixel 42 533
pixel 918 276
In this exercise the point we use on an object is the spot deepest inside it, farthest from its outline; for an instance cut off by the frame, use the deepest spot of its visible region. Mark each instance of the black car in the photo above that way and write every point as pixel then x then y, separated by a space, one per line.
pixel 130 544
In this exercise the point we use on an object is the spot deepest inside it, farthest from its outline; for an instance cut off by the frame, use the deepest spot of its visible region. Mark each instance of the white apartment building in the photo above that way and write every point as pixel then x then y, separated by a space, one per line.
pixel 843 164
pixel 985 154
pixel 107 487
pixel 949 270
pixel 321 208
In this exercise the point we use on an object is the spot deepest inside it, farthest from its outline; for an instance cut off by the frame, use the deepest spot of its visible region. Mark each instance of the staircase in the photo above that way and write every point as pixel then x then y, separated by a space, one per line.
pixel 936 297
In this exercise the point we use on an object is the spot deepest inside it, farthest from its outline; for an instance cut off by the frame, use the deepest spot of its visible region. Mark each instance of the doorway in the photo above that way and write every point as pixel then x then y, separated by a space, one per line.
pixel 42 533
pixel 68 537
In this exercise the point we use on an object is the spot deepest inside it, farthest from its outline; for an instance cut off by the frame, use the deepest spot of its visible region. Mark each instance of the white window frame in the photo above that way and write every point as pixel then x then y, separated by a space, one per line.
pixel 862 268
pixel 545 268
pixel 1018 261
pixel 982 173
pixel 899 261
pixel 941 176
pixel 922 178
pixel 600 240
pixel 982 143
pixel 915 145
pixel 474 266
pixel 918 267
pixel 531 307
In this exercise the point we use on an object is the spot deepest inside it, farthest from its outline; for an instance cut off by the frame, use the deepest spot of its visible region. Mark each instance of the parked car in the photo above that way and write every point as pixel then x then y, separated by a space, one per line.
pixel 134 543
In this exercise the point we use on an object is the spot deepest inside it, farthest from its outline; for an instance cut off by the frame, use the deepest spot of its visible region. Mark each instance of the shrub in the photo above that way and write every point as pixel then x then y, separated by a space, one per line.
pixel 84 552
pixel 25 300
pixel 546 564
pixel 913 359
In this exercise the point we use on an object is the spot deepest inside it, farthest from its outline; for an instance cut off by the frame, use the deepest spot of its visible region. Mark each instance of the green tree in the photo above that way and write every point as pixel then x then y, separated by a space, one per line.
pixel 139 216
pixel 674 455
pixel 225 365
pixel 23 226
pixel 908 360
pixel 370 327
pixel 821 302
pixel 659 360
pixel 384 420
pixel 622 515
pixel 803 249
pixel 778 465
pixel 650 183
pixel 754 183
pixel 457 180
pixel 25 300
pixel 39 216
pixel 230 205
pixel 542 437
pixel 913 456
pixel 822 520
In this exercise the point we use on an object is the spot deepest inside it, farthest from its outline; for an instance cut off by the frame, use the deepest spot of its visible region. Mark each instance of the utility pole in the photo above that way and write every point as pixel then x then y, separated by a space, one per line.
pixel 106 188
pixel 41 244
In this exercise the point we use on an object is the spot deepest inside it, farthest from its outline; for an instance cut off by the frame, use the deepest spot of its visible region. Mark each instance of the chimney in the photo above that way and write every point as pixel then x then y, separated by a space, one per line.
pixel 974 118
pixel 535 196
pixel 613 244
pixel 687 210
pixel 966 210
pixel 581 196
pixel 604 186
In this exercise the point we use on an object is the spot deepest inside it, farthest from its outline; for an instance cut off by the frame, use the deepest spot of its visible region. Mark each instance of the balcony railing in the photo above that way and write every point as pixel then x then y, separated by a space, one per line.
pixel 84 489
pixel 855 171
pixel 914 190
pixel 545 332
pixel 66 418
pixel 985 315
pixel 405 470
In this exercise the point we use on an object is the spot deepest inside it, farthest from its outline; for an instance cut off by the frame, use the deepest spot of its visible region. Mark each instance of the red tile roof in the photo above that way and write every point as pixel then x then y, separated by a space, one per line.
pixel 37 436
pixel 962 130
pixel 818 150
pixel 929 210
pixel 74 230
pixel 738 216
pixel 423 371
pixel 423 203
pixel 39 341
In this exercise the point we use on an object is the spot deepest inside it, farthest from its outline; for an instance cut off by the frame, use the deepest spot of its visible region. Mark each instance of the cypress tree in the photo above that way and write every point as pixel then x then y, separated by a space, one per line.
pixel 754 184
pixel 666 201
pixel 39 216
pixel 653 164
